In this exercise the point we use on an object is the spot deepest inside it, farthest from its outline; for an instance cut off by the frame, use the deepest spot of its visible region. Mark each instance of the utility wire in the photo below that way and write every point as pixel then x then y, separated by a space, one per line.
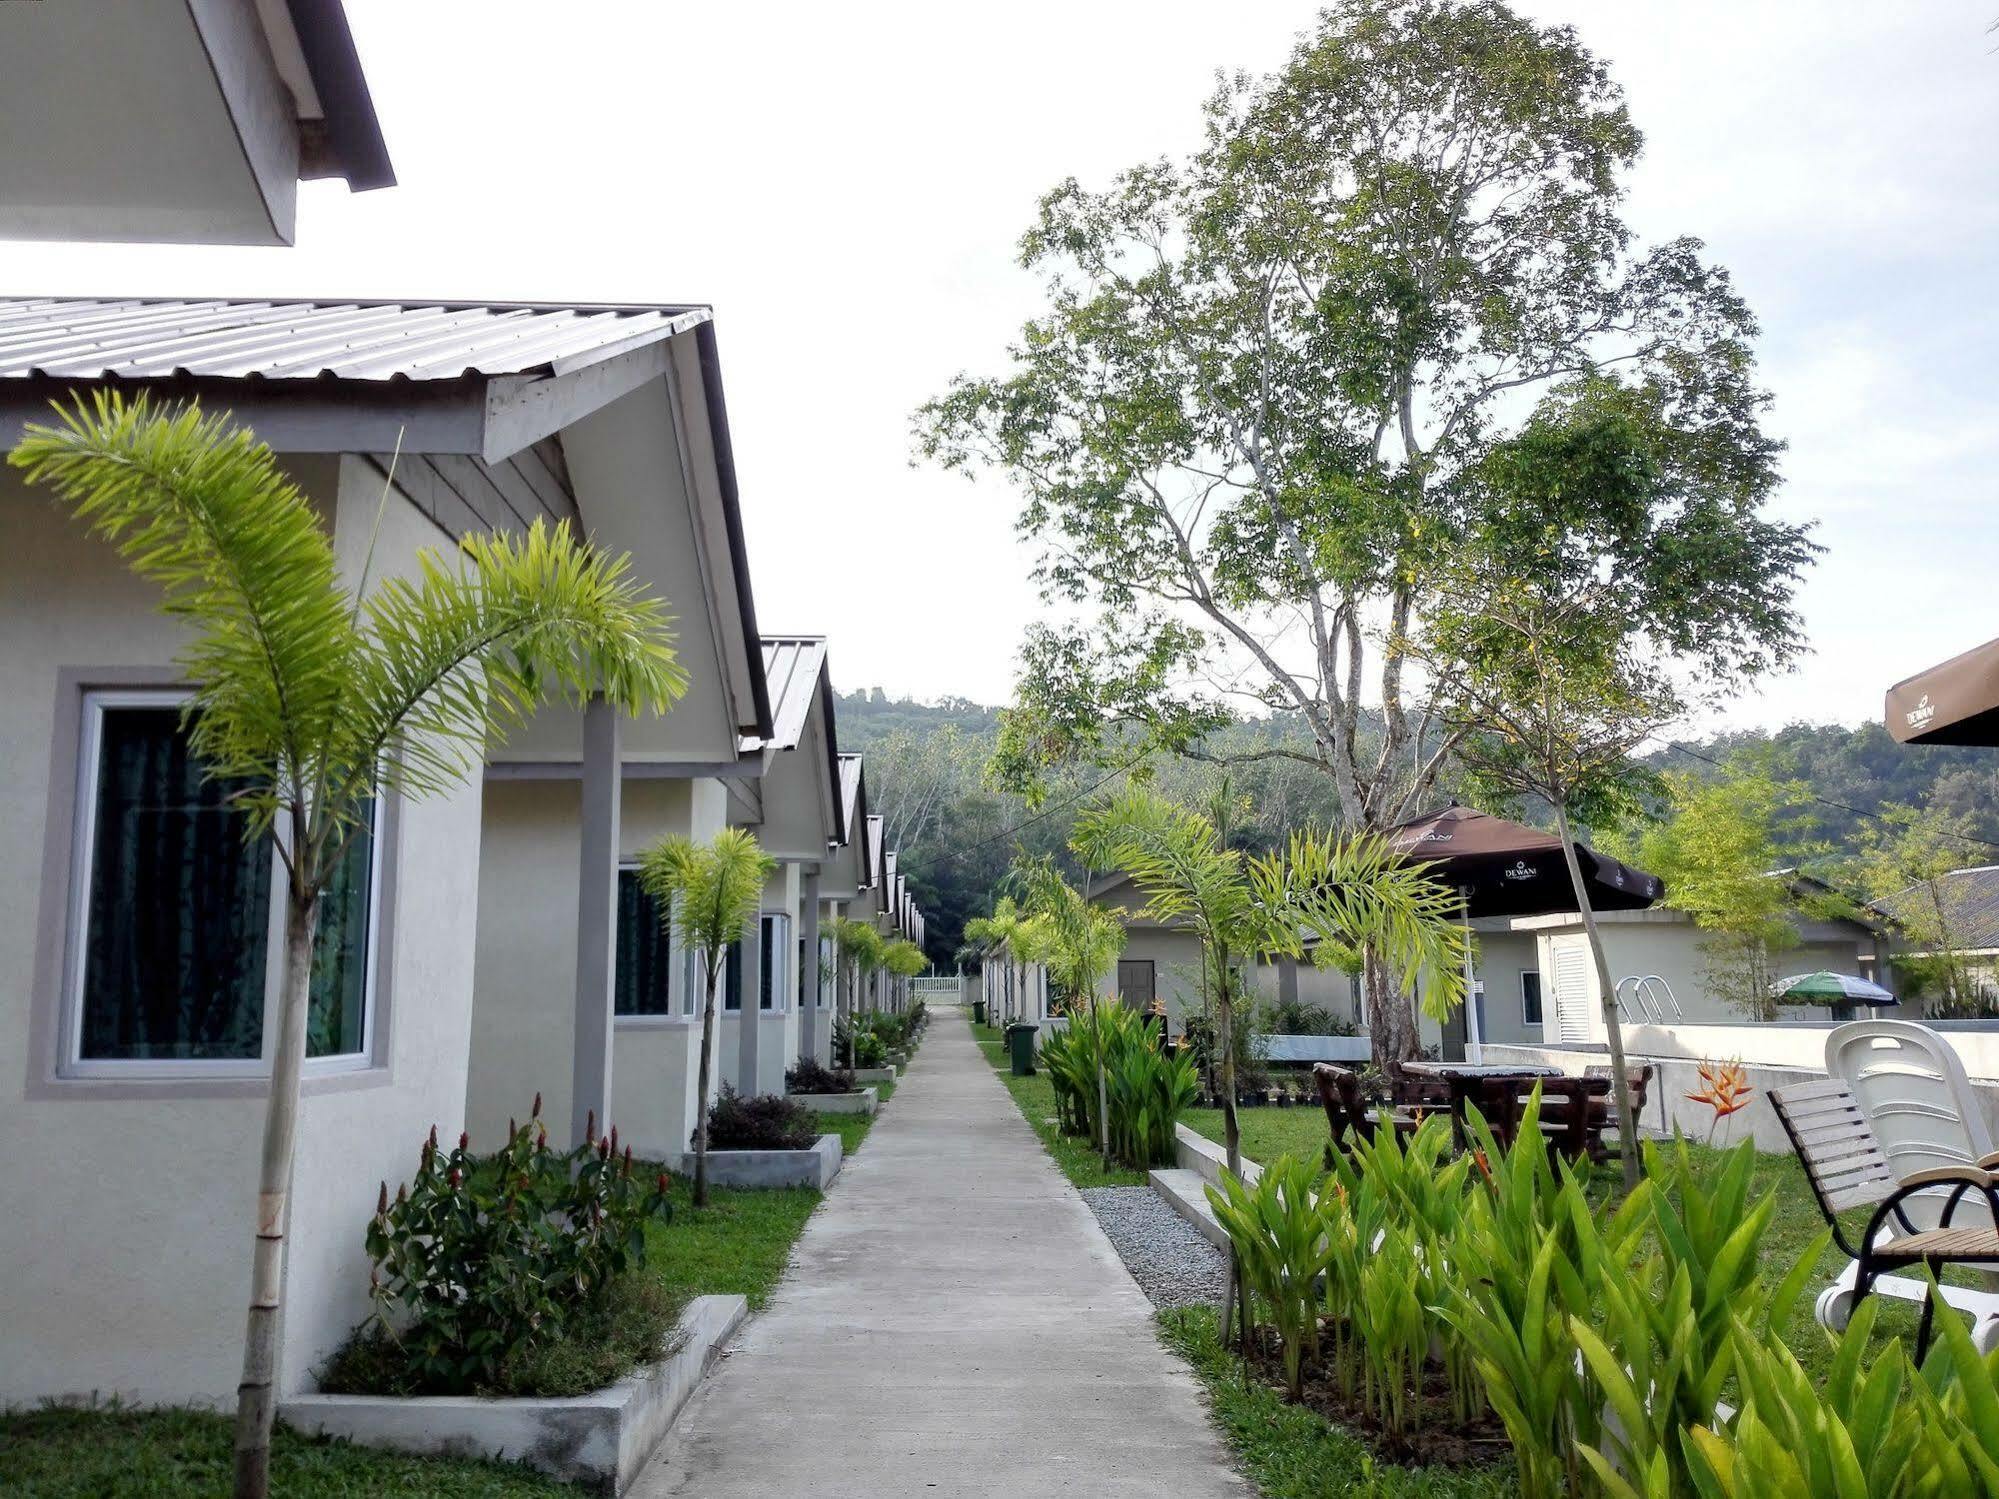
pixel 1826 801
pixel 1028 822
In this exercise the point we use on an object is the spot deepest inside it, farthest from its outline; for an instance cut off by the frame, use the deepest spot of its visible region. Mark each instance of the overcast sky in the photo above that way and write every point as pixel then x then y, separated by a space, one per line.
pixel 846 185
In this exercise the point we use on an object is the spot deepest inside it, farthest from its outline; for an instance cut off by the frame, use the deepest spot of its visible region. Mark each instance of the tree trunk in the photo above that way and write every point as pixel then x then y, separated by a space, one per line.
pixel 701 1086
pixel 1231 1135
pixel 256 1395
pixel 1393 1034
pixel 1620 1079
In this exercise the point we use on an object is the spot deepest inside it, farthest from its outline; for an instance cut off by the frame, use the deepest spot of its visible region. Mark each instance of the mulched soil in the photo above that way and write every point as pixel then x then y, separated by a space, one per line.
pixel 1432 1438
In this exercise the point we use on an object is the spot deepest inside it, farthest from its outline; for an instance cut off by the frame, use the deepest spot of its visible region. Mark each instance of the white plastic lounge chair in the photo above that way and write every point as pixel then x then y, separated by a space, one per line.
pixel 1848 1169
pixel 1911 1085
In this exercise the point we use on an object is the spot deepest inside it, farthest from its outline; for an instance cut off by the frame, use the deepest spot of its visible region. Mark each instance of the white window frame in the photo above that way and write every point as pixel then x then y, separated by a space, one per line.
pixel 96 702
pixel 1533 1025
pixel 682 978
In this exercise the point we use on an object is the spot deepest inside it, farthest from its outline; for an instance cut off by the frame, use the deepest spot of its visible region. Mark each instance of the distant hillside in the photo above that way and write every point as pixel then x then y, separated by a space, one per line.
pixel 926 761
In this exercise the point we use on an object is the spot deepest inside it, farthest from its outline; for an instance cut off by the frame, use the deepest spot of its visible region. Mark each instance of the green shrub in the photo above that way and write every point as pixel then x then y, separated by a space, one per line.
pixel 1279 1231
pixel 478 1261
pixel 811 1076
pixel 763 1122
pixel 1146 1090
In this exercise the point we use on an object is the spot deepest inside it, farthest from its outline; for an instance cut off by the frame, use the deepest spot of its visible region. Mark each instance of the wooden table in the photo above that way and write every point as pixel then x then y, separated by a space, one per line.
pixel 1497 1089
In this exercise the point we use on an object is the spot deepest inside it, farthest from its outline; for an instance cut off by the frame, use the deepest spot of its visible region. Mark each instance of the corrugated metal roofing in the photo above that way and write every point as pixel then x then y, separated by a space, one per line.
pixel 792 669
pixel 874 850
pixel 850 794
pixel 1970 900
pixel 143 338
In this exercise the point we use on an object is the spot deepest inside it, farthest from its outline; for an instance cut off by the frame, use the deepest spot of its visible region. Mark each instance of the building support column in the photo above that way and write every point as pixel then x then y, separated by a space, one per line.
pixel 809 985
pixel 596 922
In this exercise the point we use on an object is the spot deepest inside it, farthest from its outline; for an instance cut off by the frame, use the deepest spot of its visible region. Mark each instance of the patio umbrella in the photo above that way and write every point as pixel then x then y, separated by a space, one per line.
pixel 1503 868
pixel 1831 989
pixel 1956 702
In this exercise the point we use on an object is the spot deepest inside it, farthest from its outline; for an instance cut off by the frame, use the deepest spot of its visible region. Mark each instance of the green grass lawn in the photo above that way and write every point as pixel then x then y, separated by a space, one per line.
pixel 1035 1097
pixel 851 1128
pixel 1290 1451
pixel 60 1453
pixel 737 1245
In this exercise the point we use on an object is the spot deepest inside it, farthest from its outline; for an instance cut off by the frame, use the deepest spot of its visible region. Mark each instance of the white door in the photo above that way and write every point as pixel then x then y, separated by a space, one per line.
pixel 1571 955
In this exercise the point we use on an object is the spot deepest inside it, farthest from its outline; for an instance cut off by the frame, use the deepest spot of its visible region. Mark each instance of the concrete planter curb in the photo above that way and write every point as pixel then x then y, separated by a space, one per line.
pixel 866 1075
pixel 600 1440
pixel 770 1168
pixel 861 1101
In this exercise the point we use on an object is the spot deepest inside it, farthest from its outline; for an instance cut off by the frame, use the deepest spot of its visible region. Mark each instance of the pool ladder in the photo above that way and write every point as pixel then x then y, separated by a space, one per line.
pixel 1649 1000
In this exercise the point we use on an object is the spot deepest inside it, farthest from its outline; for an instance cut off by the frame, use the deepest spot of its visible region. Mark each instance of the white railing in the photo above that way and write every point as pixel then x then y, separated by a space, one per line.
pixel 946 989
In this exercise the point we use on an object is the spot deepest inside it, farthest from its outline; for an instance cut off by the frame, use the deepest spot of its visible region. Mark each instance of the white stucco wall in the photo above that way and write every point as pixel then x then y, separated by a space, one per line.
pixel 523 1033
pixel 126 1216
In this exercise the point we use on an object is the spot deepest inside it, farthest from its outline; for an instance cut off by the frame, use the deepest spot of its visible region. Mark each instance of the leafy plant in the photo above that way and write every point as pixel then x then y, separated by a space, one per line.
pixel 813 1076
pixel 316 697
pixel 1279 1233
pixel 479 1258
pixel 1661 1345
pixel 763 1122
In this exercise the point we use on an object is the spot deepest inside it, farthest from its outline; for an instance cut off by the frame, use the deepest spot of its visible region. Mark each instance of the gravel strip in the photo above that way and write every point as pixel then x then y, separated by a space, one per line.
pixel 1172 1263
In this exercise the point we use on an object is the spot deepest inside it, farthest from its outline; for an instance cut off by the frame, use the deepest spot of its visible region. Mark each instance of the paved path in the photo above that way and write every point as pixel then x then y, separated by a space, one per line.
pixel 953 1323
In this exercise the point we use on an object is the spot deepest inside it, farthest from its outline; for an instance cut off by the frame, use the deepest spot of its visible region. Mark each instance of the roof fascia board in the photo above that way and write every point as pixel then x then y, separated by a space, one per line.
pixel 304 416
pixel 523 409
pixel 353 131
pixel 715 511
pixel 259 104
pixel 732 514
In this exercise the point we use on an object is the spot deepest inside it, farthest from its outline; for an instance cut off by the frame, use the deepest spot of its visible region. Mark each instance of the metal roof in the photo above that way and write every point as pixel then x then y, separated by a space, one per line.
pixel 853 794
pixel 874 849
pixel 150 338
pixel 1970 901
pixel 793 669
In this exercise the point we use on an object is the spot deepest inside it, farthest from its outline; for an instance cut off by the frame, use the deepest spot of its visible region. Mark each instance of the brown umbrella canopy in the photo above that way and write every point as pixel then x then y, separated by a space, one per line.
pixel 1505 869
pixel 1955 703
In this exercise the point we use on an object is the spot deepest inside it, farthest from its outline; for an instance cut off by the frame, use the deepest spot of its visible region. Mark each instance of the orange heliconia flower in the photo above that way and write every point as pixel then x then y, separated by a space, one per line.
pixel 1726 1089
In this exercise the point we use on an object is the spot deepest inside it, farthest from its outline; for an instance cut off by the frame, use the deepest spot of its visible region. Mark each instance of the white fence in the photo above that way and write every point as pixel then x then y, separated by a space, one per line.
pixel 943 990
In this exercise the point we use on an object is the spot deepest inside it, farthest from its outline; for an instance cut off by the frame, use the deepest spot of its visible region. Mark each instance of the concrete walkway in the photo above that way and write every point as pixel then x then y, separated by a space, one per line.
pixel 953 1323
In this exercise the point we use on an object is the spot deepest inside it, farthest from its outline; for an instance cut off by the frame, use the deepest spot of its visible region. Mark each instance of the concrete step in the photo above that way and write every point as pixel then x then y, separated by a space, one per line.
pixel 1186 1192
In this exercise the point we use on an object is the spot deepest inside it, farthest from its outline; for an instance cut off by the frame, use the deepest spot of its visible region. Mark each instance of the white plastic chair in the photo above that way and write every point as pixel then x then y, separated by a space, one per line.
pixel 1911 1085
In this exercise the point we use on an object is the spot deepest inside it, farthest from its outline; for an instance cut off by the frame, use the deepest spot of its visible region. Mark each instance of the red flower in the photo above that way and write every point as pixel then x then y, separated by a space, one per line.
pixel 535 1112
pixel 1726 1089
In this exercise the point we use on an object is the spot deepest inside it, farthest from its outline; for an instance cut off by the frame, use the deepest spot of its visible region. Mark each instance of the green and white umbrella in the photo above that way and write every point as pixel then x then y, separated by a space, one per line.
pixel 1831 988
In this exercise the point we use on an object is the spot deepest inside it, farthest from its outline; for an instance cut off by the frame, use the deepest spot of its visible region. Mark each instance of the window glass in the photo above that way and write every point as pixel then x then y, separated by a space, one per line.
pixel 178 909
pixel 732 976
pixel 337 1017
pixel 1530 998
pixel 645 951
pixel 770 961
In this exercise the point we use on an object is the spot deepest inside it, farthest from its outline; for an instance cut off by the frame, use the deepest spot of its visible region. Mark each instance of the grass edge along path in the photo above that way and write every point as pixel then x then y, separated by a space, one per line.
pixel 1034 1096
pixel 112 1452
pixel 1292 1452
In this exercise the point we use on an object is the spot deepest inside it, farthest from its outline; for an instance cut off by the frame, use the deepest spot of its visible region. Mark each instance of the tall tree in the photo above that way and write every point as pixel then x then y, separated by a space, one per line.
pixel 1270 375
pixel 711 893
pixel 1084 941
pixel 1904 862
pixel 1718 847
pixel 318 697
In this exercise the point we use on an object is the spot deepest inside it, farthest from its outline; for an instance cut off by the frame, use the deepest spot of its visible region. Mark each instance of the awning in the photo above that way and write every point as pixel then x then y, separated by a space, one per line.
pixel 1503 868
pixel 1955 703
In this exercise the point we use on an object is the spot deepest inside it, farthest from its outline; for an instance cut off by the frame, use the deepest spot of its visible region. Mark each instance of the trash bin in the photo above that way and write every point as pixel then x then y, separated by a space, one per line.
pixel 1020 1043
pixel 979 1011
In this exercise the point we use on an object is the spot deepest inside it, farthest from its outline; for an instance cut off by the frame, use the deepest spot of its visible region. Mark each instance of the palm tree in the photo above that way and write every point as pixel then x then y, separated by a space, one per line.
pixel 1353 892
pixel 1019 935
pixel 1082 945
pixel 713 891
pixel 859 947
pixel 318 697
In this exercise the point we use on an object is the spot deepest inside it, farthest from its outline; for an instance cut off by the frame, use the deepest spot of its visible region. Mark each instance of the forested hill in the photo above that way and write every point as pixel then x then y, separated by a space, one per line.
pixel 925 766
